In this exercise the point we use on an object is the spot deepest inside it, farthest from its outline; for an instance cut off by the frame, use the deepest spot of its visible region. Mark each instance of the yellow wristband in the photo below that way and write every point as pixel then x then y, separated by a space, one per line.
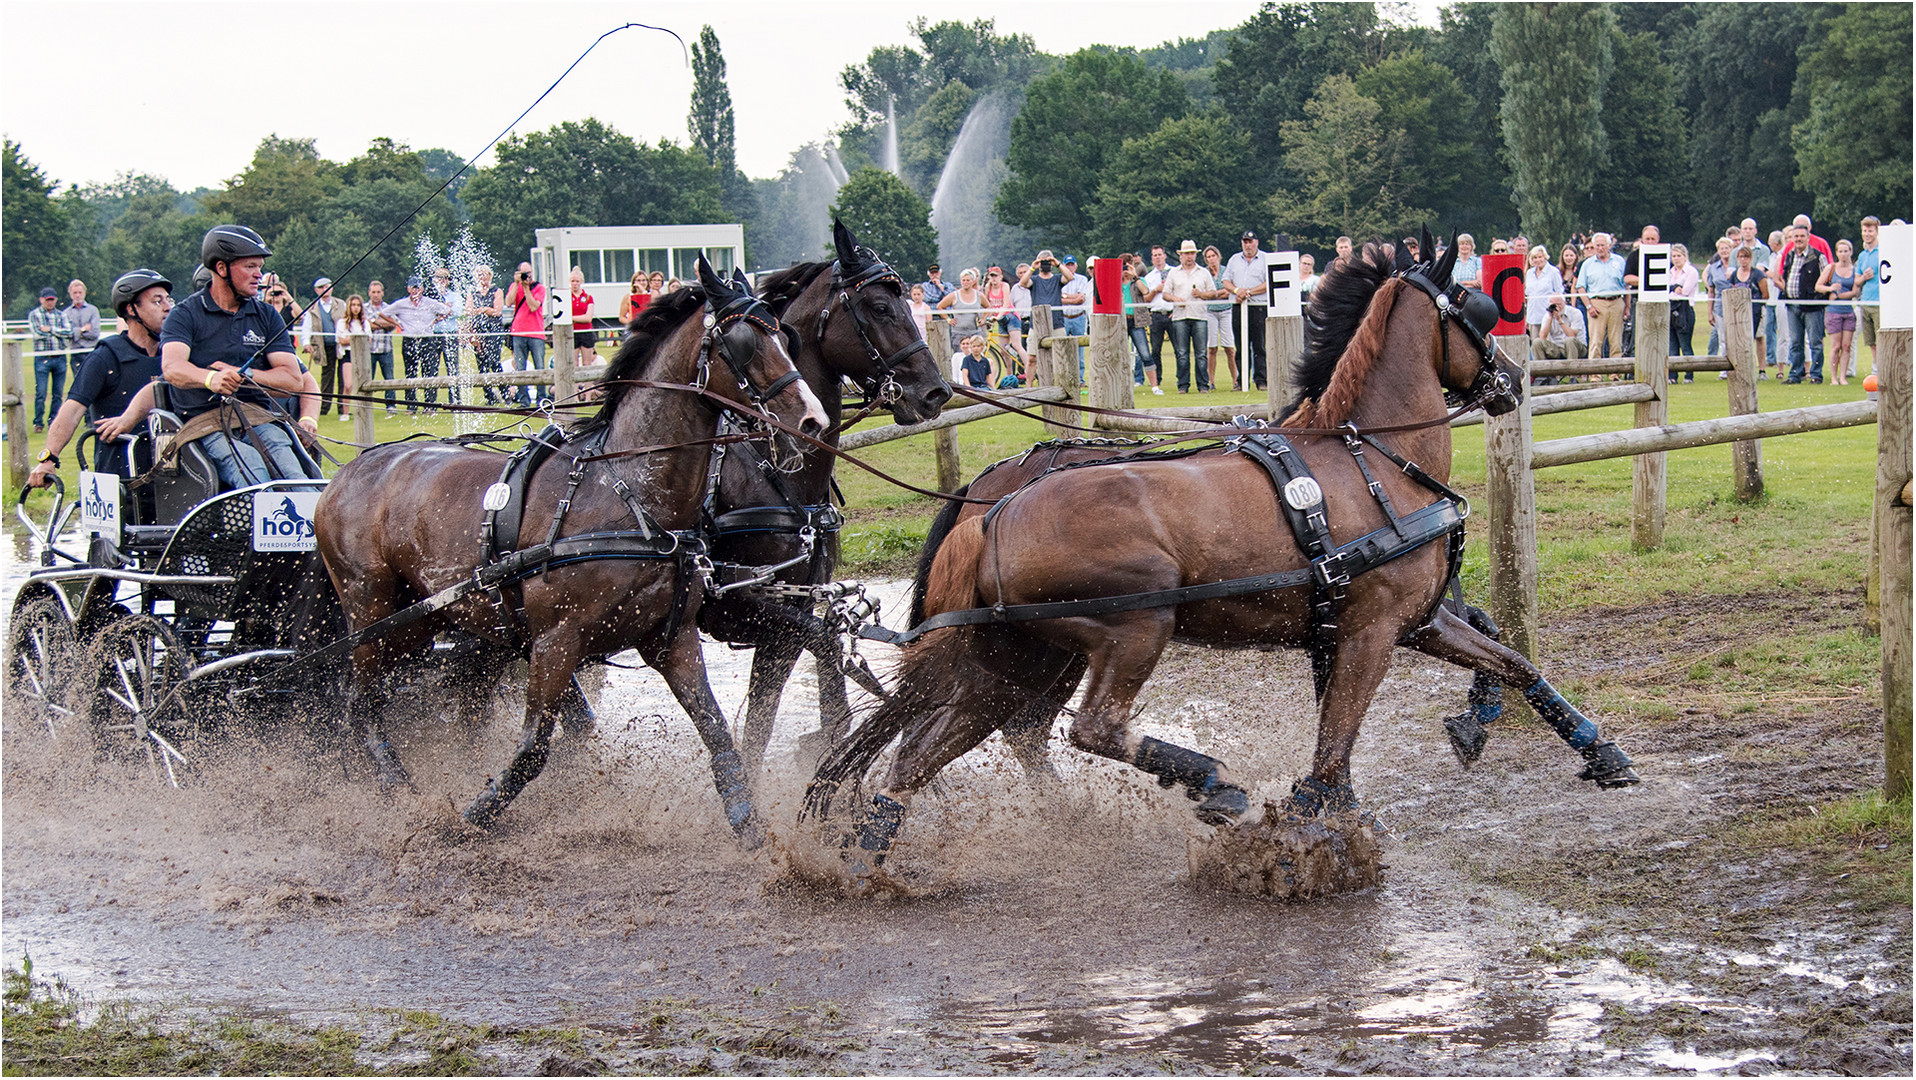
pixel 209 379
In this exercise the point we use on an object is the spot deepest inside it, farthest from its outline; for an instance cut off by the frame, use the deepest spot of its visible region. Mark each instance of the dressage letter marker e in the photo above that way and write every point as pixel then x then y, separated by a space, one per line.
pixel 1503 280
pixel 1286 287
pixel 1653 272
pixel 283 520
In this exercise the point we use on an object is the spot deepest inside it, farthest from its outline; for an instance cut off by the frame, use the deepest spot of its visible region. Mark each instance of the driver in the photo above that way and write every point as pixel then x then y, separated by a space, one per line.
pixel 226 342
pixel 117 369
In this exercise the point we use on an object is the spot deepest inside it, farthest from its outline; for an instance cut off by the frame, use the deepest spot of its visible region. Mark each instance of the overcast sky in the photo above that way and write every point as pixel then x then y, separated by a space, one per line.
pixel 93 88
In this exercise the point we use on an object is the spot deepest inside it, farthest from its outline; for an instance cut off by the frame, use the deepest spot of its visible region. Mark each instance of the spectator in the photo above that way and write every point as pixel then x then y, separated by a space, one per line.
pixel 920 311
pixel 638 296
pixel 1600 279
pixel 381 325
pixel 972 365
pixel 1307 266
pixel 1045 283
pixel 966 305
pixel 1343 248
pixel 1747 275
pixel 51 338
pixel 673 285
pixel 584 339
pixel 1775 327
pixel 1220 323
pixel 1021 303
pixel 1869 299
pixel 1521 245
pixel 319 331
pixel 1137 319
pixel 1683 281
pixel 446 331
pixel 1076 294
pixel 351 325
pixel 280 299
pixel 1746 237
pixel 1798 270
pixel 1470 265
pixel 1821 245
pixel 108 377
pixel 935 288
pixel 527 301
pixel 1160 305
pixel 1001 308
pixel 1716 273
pixel 1541 284
pixel 1562 332
pixel 418 348
pixel 84 320
pixel 1632 280
pixel 1498 246
pixel 1188 285
pixel 1409 244
pixel 485 309
pixel 1247 281
pixel 1838 282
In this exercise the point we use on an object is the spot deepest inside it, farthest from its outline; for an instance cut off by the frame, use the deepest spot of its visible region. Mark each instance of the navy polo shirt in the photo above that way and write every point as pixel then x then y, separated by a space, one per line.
pixel 109 377
pixel 213 334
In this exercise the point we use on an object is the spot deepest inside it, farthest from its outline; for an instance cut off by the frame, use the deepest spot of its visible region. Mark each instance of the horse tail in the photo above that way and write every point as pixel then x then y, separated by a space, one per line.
pixel 952 584
pixel 941 526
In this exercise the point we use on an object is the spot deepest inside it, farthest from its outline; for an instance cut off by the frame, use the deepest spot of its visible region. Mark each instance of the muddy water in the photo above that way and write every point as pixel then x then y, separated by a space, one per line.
pixel 1033 936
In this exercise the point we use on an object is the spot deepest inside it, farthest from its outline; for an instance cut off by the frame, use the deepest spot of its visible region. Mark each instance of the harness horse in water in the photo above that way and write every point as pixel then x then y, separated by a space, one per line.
pixel 1022 602
pixel 621 565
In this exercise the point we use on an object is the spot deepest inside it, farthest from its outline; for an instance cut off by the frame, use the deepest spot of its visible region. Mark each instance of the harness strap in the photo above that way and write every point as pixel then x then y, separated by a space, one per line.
pixel 1300 498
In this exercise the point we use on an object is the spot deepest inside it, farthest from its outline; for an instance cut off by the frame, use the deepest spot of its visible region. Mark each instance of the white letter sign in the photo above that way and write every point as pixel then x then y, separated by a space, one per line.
pixel 1653 271
pixel 1898 246
pixel 1287 297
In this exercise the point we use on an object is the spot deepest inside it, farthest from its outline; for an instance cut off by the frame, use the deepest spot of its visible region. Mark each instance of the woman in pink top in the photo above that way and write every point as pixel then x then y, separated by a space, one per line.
pixel 527 299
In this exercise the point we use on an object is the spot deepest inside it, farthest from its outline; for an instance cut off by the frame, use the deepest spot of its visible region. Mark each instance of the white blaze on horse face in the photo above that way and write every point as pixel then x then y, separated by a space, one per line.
pixel 814 409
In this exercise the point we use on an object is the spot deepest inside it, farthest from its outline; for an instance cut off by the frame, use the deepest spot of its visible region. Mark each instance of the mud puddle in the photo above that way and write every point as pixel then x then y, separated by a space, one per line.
pixel 1040 937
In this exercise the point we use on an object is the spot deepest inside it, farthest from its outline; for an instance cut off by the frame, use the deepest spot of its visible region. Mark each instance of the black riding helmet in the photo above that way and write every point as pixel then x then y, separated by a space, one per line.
pixel 128 287
pixel 202 278
pixel 225 243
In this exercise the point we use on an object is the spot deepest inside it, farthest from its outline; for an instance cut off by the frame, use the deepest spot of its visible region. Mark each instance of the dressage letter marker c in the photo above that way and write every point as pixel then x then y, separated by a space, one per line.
pixel 1505 275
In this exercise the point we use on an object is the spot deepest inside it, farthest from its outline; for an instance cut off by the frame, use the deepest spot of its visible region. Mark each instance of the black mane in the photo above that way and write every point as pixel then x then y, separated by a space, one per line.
pixel 781 287
pixel 1339 303
pixel 661 318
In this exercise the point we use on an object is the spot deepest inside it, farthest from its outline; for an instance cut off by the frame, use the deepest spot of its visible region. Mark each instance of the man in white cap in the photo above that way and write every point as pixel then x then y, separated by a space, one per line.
pixel 1187 285
pixel 1247 281
pixel 319 333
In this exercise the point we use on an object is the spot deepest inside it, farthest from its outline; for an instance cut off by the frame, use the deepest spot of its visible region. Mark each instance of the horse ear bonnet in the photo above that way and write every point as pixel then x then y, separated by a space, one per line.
pixel 1442 268
pixel 1400 261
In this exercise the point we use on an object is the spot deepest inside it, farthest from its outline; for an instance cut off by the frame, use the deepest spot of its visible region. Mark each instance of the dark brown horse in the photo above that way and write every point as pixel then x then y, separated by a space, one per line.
pixel 1384 342
pixel 402 522
pixel 852 320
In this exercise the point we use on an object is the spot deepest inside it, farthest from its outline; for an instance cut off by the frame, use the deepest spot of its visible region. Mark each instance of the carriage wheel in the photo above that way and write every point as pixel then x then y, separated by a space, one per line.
pixel 136 703
pixel 41 663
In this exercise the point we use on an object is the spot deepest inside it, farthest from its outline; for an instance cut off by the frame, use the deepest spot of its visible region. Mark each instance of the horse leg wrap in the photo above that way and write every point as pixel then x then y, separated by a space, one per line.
pixel 1605 763
pixel 1311 797
pixel 1218 801
pixel 880 827
pixel 728 775
pixel 1470 730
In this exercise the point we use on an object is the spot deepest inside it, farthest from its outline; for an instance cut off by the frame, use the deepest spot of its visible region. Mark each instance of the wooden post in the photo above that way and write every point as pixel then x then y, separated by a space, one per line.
pixel 564 367
pixel 1512 495
pixel 363 374
pixel 1108 368
pixel 944 441
pixel 13 392
pixel 1650 472
pixel 1283 344
pixel 1055 368
pixel 1893 536
pixel 1739 344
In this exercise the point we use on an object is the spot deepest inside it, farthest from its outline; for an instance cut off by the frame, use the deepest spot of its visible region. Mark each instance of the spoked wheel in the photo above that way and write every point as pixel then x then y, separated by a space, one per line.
pixel 137 703
pixel 42 665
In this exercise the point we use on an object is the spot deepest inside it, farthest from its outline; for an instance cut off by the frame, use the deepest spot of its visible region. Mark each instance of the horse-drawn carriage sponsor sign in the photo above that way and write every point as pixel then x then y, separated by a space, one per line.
pixel 100 503
pixel 283 520
pixel 1285 284
pixel 1503 280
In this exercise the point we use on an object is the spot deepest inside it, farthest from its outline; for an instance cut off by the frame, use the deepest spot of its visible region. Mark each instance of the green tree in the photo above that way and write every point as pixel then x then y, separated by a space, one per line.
pixel 925 142
pixel 890 218
pixel 1279 58
pixel 1424 101
pixel 1642 178
pixel 1556 65
pixel 1189 178
pixel 1352 170
pixel 1736 85
pixel 1853 148
pixel 711 121
pixel 587 173
pixel 1072 122
pixel 1481 201
pixel 34 230
pixel 286 179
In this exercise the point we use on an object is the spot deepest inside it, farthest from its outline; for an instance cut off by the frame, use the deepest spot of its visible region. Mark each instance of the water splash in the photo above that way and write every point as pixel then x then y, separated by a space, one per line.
pixel 837 164
pixel 891 135
pixel 968 233
pixel 465 258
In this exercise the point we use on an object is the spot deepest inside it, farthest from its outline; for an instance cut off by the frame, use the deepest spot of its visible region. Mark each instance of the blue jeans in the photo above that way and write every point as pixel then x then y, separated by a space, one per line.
pixel 529 354
pixel 383 369
pixel 54 367
pixel 1806 325
pixel 1078 326
pixel 1769 336
pixel 1183 333
pixel 1140 348
pixel 241 466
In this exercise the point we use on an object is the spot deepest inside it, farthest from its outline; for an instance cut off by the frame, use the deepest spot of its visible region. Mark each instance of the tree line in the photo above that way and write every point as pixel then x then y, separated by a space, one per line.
pixel 1315 119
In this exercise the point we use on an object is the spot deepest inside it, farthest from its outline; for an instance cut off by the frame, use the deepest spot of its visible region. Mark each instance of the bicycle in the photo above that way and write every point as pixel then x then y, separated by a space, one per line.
pixel 1003 358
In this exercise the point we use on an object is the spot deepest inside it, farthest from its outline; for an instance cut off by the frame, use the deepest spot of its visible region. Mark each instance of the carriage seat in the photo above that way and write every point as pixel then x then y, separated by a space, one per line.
pixel 191 478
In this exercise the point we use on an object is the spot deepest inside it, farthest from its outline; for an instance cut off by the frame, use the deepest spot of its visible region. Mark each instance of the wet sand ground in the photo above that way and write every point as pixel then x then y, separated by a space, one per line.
pixel 1040 938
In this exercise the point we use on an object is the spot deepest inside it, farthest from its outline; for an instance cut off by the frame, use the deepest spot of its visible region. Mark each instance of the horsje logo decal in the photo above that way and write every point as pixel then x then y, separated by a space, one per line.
pixel 283 520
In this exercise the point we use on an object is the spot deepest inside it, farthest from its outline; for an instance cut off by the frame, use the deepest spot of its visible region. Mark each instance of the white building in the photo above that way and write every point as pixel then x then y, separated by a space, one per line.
pixel 608 256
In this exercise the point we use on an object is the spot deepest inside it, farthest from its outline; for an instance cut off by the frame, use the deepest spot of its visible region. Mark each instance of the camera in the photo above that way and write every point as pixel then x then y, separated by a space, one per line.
pixel 1555 307
pixel 1046 265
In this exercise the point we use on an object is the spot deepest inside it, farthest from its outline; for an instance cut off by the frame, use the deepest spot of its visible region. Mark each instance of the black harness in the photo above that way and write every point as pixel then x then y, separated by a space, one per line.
pixel 879 386
pixel 792 518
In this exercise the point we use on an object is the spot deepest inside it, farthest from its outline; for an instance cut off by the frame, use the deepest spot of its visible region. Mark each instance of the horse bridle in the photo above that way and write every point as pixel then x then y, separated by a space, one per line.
pixel 731 331
pixel 1476 313
pixel 880 386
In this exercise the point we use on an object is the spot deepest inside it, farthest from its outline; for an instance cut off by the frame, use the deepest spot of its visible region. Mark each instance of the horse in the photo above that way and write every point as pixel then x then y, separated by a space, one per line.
pixel 849 319
pixel 620 566
pixel 1385 338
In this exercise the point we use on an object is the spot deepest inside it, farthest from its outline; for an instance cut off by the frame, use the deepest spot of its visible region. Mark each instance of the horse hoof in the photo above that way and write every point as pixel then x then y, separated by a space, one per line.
pixel 1311 797
pixel 1223 804
pixel 1468 736
pixel 1608 766
pixel 750 833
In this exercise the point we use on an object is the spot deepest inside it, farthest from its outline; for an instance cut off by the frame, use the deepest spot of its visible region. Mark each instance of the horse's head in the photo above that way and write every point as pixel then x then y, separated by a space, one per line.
pixel 1470 362
pixel 874 339
pixel 750 344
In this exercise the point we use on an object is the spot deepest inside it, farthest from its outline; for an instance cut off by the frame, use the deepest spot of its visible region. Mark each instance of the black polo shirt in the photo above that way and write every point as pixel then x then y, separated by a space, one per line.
pixel 109 377
pixel 213 334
